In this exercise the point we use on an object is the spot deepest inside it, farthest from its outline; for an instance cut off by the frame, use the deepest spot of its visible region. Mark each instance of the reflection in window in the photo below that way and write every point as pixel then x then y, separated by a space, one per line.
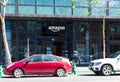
pixel 36 59
pixel 63 11
pixel 63 2
pixel 80 11
pixel 100 4
pixel 49 58
pixel 114 3
pixel 26 2
pixel 10 9
pixel 26 10
pixel 81 3
pixel 114 12
pixel 45 2
pixel 97 11
pixel 45 10
pixel 118 28
pixel 11 1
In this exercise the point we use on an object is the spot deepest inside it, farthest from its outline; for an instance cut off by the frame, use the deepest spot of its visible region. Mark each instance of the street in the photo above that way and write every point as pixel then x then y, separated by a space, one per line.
pixel 80 77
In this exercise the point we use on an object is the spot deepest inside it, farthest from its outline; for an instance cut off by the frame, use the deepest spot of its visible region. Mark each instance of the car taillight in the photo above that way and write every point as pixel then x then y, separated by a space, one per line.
pixel 67 60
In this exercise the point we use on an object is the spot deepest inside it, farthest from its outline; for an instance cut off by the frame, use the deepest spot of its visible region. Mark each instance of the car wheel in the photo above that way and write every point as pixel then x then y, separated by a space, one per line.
pixel 18 73
pixel 106 70
pixel 60 72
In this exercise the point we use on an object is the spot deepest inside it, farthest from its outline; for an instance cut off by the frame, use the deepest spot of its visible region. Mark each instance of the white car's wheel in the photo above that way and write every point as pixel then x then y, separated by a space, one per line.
pixel 107 70
pixel 18 73
pixel 60 72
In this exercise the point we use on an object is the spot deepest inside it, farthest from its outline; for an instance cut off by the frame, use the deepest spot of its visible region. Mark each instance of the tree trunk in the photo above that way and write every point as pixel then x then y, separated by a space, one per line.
pixel 103 31
pixel 7 52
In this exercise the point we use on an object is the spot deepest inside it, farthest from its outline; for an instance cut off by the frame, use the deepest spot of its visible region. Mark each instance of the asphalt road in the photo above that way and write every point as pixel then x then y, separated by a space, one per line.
pixel 80 77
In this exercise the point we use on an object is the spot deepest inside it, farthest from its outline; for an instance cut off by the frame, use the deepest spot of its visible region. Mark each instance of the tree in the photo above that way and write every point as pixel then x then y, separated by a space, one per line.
pixel 3 4
pixel 90 3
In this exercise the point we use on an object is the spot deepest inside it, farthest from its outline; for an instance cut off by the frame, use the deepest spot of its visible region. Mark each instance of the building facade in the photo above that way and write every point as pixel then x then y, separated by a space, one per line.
pixel 55 27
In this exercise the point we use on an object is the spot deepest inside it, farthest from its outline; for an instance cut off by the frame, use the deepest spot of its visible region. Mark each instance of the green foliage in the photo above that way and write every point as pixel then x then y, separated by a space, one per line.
pixel 83 26
pixel 98 2
pixel 88 3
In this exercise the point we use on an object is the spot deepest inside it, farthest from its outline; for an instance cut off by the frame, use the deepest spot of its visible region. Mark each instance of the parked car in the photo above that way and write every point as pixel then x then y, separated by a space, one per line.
pixel 106 66
pixel 39 64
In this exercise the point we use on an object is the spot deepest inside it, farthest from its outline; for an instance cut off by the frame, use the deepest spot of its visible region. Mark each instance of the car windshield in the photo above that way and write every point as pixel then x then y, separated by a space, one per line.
pixel 114 55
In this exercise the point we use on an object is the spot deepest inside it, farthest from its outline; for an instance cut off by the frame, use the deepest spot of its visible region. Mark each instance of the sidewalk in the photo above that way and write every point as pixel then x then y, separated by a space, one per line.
pixel 82 69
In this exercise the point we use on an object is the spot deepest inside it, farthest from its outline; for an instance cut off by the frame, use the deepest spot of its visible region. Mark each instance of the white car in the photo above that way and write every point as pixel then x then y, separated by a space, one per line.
pixel 106 66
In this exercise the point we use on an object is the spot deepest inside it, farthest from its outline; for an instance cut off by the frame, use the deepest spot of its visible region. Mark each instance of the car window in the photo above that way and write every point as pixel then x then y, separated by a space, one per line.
pixel 50 58
pixel 36 59
pixel 115 55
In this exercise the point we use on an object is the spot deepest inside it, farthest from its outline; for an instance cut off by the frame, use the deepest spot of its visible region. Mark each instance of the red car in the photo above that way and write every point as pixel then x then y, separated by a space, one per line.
pixel 39 64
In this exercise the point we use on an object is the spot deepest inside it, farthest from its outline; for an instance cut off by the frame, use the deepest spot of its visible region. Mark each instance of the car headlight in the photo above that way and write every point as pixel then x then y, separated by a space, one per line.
pixel 98 63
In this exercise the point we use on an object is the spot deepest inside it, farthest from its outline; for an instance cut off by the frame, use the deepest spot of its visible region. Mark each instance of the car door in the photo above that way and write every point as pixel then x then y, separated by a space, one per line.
pixel 50 64
pixel 34 66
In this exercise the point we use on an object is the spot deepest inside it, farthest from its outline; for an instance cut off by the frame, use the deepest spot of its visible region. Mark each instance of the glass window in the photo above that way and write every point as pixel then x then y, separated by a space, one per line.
pixel 80 11
pixel 36 59
pixel 97 11
pixel 114 12
pixel 8 33
pixel 31 2
pixel 114 3
pixel 45 10
pixel 11 2
pixel 45 2
pixel 63 11
pixel 49 58
pixel 10 9
pixel 118 28
pixel 87 2
pixel 101 3
pixel 8 25
pixel 63 2
pixel 81 3
pixel 26 9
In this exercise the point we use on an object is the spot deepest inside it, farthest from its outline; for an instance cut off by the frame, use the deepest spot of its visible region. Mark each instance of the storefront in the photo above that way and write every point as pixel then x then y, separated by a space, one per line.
pixel 81 40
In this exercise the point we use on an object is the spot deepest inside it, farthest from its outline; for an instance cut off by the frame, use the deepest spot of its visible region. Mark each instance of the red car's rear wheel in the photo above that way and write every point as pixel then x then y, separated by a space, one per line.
pixel 60 72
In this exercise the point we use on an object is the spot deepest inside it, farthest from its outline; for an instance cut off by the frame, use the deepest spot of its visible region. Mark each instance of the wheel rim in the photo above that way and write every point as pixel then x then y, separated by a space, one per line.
pixel 107 70
pixel 18 73
pixel 60 72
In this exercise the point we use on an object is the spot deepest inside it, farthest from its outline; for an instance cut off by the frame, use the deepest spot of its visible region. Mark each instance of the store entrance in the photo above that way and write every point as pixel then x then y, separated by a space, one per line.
pixel 57 48
pixel 54 48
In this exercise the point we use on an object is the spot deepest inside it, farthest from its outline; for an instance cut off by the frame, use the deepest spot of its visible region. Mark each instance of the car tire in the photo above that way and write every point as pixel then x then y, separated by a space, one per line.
pixel 60 72
pixel 18 73
pixel 106 70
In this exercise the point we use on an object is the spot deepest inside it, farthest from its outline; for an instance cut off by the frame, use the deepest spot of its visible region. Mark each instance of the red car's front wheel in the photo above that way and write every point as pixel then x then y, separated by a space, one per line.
pixel 18 73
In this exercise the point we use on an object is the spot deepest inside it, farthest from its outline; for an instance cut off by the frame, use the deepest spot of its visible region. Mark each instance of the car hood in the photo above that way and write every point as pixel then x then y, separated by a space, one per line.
pixel 103 60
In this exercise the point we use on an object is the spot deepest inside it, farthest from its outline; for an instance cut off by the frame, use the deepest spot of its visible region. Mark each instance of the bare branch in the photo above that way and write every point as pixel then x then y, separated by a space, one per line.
pixel 6 2
pixel 1 3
